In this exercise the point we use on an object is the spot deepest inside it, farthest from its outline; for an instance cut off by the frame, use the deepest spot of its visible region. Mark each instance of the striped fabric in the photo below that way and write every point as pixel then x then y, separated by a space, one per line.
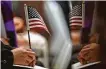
pixel 6 10
pixel 76 14
pixel 35 20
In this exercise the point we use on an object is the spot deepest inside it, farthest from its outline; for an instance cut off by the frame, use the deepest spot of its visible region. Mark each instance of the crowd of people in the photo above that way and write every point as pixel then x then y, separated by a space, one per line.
pixel 38 53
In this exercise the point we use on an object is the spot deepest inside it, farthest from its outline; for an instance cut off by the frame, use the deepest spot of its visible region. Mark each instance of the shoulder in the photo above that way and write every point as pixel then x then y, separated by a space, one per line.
pixel 6 57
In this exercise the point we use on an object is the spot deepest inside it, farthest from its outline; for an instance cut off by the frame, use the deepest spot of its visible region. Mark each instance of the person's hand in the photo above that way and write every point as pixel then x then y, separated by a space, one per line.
pixel 23 56
pixel 89 53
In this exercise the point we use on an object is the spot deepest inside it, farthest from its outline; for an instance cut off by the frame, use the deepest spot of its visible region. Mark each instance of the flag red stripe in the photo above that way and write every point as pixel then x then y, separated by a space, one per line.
pixel 34 21
pixel 76 19
pixel 38 27
pixel 77 22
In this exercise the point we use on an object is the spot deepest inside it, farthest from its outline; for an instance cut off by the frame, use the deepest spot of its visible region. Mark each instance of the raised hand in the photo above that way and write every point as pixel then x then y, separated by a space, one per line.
pixel 23 56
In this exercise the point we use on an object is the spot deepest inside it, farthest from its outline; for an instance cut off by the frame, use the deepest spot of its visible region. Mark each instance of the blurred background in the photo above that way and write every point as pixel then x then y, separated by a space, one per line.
pixel 63 34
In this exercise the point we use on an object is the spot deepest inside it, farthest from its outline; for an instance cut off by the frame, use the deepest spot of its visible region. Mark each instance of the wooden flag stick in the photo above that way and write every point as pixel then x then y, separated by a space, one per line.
pixel 27 23
pixel 29 39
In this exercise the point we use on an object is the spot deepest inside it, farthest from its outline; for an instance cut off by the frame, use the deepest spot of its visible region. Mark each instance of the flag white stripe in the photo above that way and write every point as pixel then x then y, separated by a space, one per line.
pixel 37 26
pixel 76 17
pixel 76 21
pixel 76 24
pixel 36 23
pixel 35 19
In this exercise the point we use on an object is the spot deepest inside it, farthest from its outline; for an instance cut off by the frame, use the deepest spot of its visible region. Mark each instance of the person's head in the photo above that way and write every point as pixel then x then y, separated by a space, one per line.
pixel 75 37
pixel 75 33
pixel 19 24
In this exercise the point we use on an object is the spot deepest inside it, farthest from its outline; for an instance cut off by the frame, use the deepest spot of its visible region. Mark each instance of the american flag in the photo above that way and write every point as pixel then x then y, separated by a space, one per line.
pixel 76 14
pixel 35 20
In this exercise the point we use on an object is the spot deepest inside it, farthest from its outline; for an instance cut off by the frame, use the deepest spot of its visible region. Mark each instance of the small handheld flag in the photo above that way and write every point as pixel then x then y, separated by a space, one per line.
pixel 76 14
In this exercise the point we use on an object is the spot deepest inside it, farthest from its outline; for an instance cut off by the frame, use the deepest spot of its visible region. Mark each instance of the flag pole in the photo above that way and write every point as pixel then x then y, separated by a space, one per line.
pixel 27 23
pixel 83 12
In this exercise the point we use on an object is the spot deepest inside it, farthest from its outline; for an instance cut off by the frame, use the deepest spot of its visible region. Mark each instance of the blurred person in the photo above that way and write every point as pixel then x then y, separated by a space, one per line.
pixel 75 35
pixel 17 56
pixel 75 20
pixel 38 42
pixel 20 28
pixel 76 25
pixel 19 24
pixel 10 56
pixel 95 50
